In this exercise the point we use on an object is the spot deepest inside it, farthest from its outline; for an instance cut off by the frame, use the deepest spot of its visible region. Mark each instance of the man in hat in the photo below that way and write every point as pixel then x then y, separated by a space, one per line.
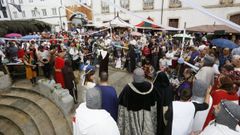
pixel 140 107
pixel 90 119
pixel 227 116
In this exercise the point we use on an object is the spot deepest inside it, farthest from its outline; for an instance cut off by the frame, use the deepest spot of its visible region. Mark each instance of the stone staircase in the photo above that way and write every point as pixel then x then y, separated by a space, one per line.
pixel 25 112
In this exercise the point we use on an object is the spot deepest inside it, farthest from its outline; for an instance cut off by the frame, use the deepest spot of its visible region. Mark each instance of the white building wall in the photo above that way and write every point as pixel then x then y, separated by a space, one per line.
pixel 50 18
pixel 186 14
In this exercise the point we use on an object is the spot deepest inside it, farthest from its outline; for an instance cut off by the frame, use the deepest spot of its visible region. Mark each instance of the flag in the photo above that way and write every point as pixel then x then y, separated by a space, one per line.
pixel 18 7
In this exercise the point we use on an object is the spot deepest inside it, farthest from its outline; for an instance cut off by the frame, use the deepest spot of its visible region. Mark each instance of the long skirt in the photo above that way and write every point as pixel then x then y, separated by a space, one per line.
pixel 59 78
pixel 30 74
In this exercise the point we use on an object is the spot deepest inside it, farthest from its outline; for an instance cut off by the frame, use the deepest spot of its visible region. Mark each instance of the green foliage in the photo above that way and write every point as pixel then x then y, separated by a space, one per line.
pixel 23 27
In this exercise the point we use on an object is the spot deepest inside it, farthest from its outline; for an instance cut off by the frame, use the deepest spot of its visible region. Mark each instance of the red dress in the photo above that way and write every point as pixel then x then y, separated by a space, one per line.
pixel 20 53
pixel 59 64
pixel 217 96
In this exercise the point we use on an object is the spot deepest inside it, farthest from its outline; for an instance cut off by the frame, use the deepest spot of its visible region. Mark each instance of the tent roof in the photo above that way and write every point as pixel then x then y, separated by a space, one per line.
pixel 147 25
pixel 211 28
pixel 118 22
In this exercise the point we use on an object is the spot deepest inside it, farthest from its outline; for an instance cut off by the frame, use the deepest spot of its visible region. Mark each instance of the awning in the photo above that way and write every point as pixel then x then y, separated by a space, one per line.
pixel 211 28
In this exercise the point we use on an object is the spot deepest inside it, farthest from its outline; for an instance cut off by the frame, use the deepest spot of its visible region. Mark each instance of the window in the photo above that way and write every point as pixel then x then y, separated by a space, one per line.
pixel 148 4
pixel 173 23
pixel 235 18
pixel 31 1
pixel 20 1
pixel 54 11
pixel 23 14
pixel 15 15
pixel 12 1
pixel 44 11
pixel 105 7
pixel 226 2
pixel 175 4
pixel 124 4
pixel 33 13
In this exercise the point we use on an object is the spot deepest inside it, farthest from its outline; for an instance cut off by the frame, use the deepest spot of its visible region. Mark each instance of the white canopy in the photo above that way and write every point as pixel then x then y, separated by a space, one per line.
pixel 118 22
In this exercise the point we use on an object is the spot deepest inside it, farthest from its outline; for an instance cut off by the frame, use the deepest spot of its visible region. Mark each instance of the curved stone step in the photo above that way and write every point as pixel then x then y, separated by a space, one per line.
pixel 22 120
pixel 57 118
pixel 39 116
pixel 8 127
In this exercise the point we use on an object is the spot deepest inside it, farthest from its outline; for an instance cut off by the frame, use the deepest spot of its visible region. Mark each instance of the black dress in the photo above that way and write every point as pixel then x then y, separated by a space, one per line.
pixel 103 64
pixel 162 84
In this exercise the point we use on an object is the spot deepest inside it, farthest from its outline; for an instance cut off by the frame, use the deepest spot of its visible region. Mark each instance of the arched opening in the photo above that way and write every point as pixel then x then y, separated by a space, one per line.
pixel 235 18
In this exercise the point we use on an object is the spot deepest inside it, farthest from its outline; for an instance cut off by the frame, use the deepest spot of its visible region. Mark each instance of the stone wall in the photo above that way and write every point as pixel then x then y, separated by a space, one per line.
pixel 56 93
pixel 5 81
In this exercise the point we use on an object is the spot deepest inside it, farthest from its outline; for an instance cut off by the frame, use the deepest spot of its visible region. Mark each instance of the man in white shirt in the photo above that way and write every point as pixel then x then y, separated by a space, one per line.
pixel 91 120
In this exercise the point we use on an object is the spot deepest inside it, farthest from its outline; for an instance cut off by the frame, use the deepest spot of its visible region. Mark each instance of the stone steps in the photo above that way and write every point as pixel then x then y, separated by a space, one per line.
pixel 48 117
pixel 8 127
pixel 21 119
pixel 39 116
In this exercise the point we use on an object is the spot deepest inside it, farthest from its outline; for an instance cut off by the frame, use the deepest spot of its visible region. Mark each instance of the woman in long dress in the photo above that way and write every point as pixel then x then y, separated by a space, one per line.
pixel 59 64
pixel 69 79
pixel 30 66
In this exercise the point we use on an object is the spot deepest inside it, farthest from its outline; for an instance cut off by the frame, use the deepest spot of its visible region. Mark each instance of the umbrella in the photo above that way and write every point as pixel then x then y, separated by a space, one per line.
pixel 224 43
pixel 134 33
pixel 29 37
pixel 13 35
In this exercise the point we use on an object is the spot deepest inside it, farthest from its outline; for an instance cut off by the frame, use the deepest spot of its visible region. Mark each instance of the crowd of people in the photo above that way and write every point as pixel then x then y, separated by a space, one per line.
pixel 166 96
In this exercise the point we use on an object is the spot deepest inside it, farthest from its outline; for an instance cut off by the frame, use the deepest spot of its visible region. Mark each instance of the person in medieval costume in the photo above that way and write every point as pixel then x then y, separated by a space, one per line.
pixel 131 58
pixel 103 61
pixel 59 64
pixel 30 66
pixel 180 115
pixel 140 108
pixel 69 79
pixel 90 119
pixel 227 115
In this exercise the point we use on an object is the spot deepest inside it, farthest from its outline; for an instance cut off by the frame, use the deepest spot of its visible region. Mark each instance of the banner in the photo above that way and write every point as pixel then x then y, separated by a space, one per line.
pixel 206 12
